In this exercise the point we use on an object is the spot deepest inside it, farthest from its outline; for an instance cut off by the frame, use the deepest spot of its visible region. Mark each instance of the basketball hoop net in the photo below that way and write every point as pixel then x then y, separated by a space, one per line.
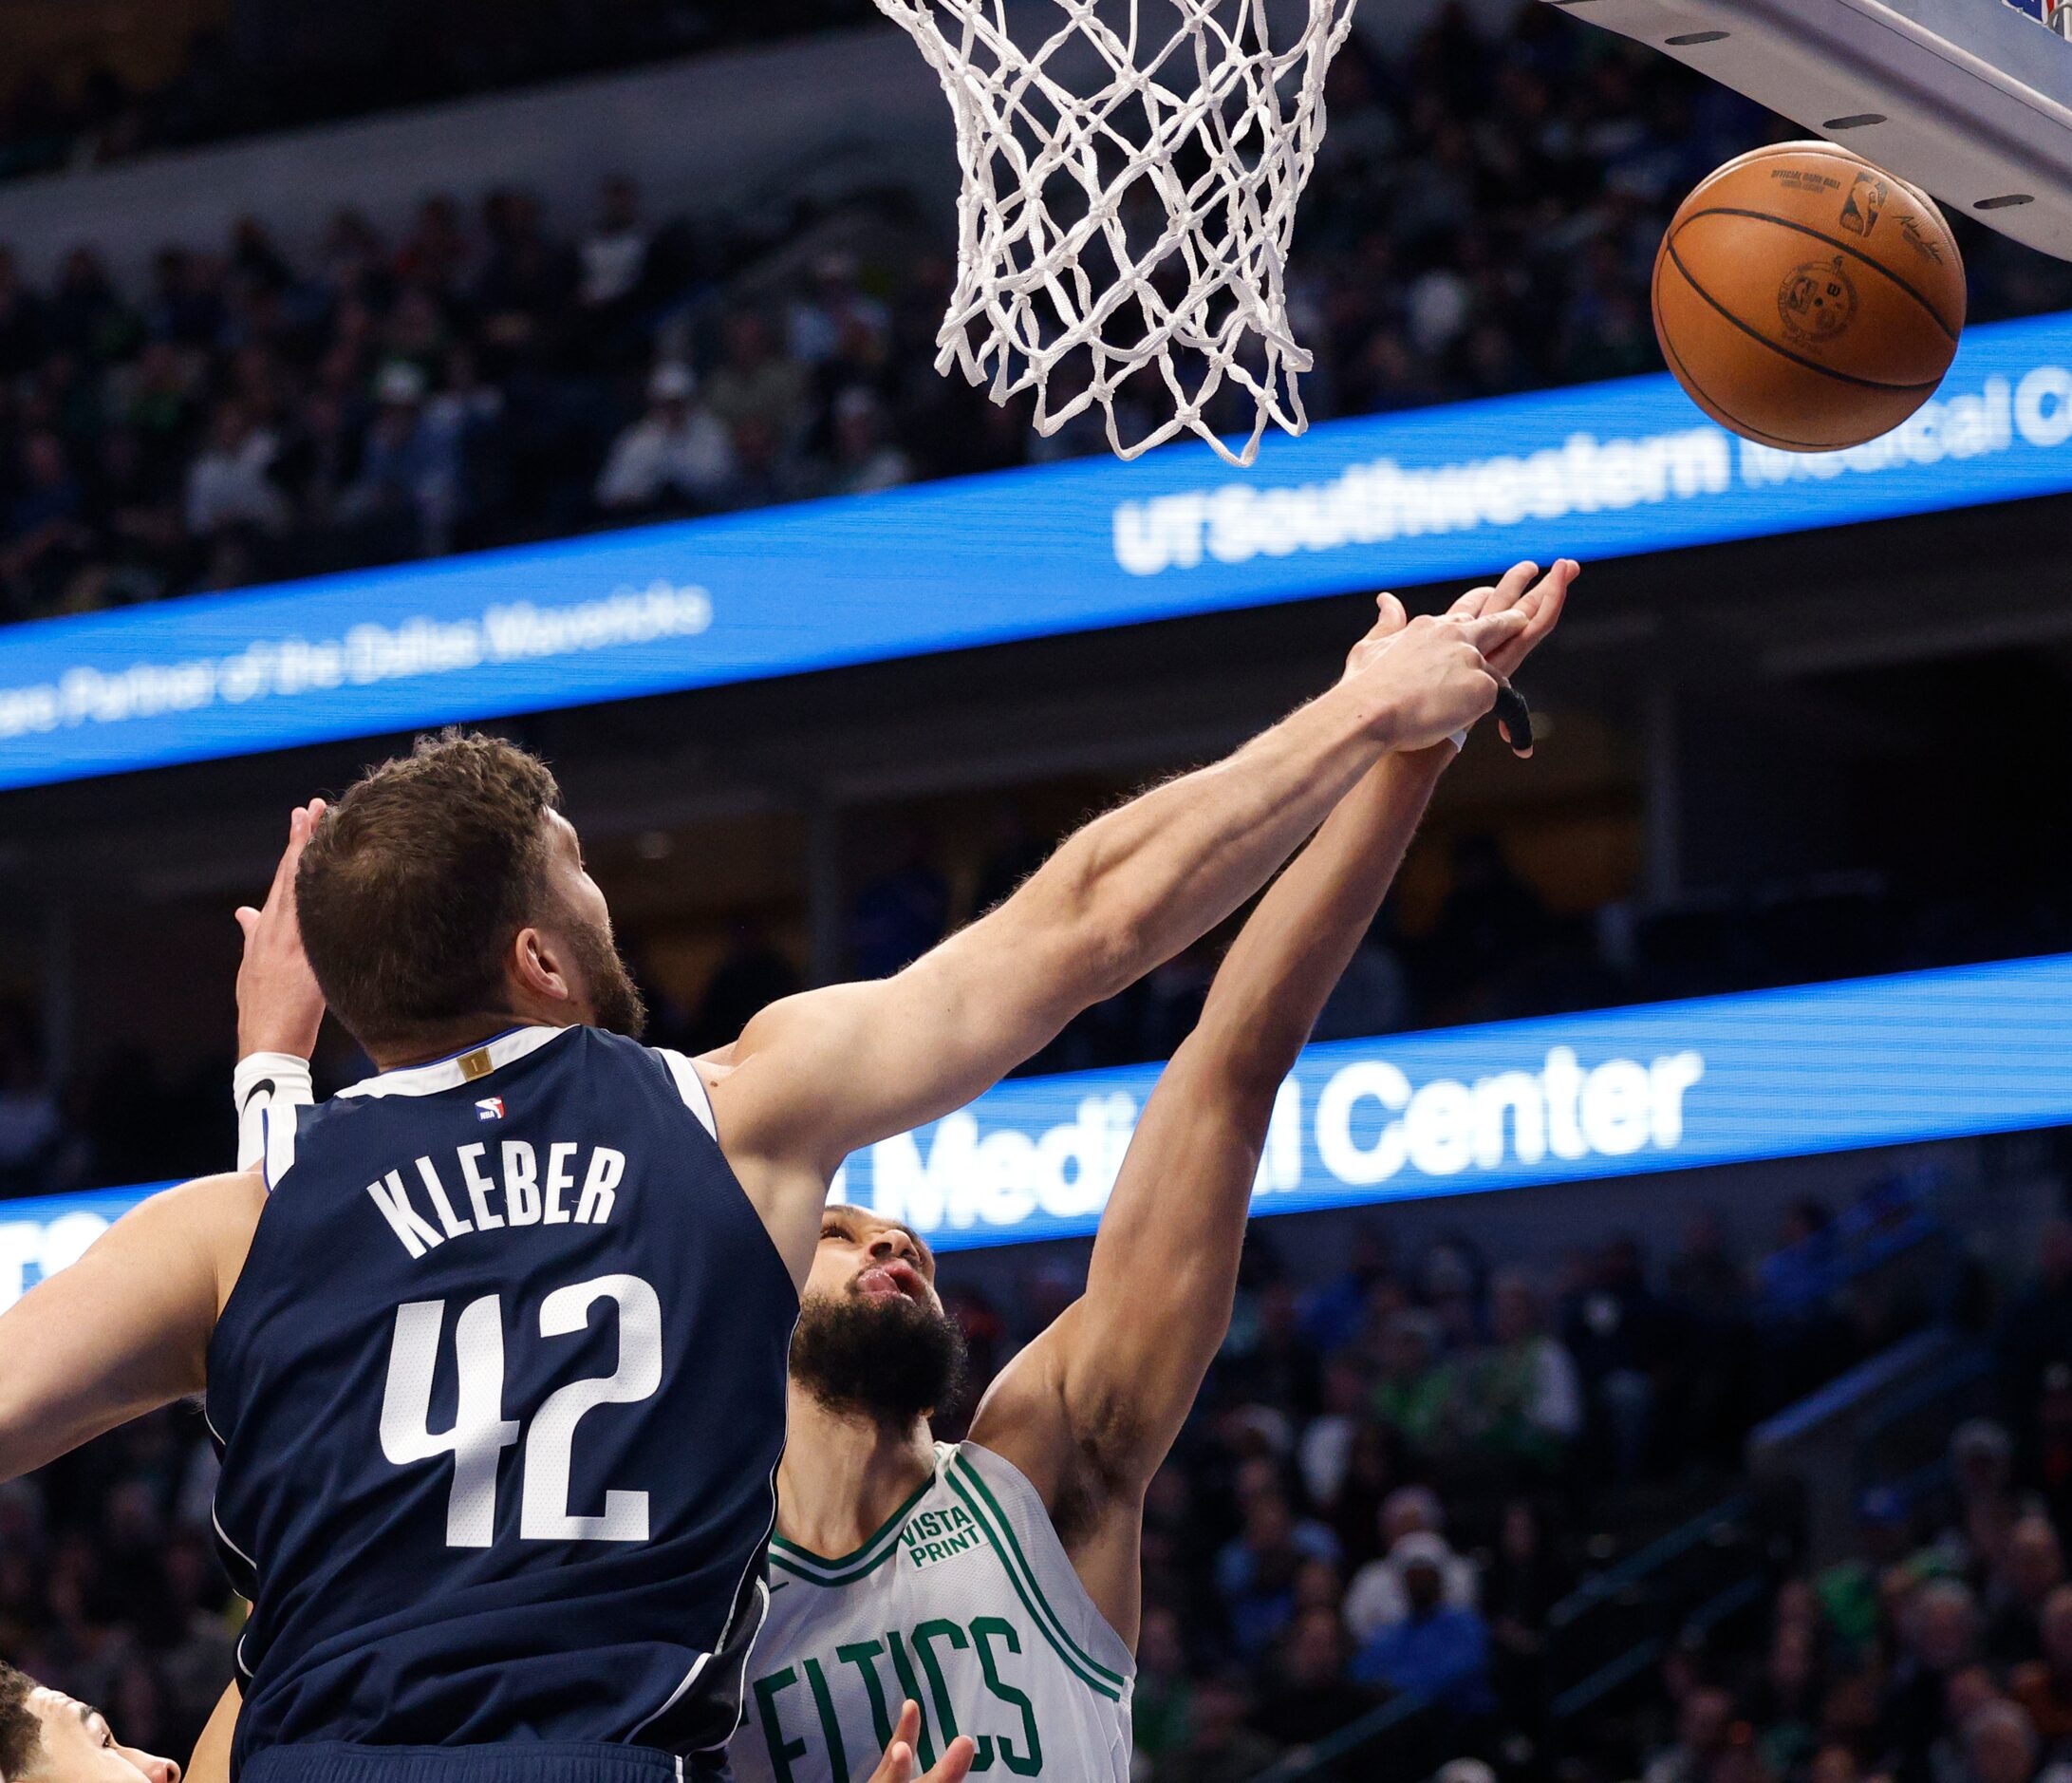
pixel 1129 188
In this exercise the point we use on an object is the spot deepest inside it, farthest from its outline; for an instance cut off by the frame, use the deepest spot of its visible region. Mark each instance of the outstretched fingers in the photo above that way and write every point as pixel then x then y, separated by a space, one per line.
pixel 1542 603
pixel 1494 598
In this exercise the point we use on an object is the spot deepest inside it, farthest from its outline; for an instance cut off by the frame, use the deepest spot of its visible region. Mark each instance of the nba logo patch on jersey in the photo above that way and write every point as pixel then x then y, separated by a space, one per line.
pixel 489 1108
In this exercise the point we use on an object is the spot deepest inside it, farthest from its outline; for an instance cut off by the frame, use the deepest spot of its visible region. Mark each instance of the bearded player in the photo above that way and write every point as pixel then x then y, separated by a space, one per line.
pixel 996 1583
pixel 494 1344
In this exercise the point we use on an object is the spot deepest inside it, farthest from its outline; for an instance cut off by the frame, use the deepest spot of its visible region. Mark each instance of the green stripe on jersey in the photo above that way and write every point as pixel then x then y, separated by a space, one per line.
pixel 1095 1677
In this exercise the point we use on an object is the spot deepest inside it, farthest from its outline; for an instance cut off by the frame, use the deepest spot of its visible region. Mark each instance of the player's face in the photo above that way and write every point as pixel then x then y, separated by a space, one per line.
pixel 604 992
pixel 872 1337
pixel 872 1259
pixel 79 1747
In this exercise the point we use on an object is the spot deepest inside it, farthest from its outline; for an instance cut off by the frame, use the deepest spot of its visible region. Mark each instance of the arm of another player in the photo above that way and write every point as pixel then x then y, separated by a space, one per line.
pixel 125 1329
pixel 1104 1390
pixel 815 1076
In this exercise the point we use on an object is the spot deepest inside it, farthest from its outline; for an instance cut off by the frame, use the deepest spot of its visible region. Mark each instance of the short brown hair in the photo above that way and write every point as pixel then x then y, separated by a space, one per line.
pixel 415 881
pixel 21 1733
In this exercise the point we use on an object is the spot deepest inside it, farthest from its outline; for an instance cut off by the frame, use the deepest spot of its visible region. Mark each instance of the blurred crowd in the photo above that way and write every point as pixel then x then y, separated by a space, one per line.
pixel 1940 1649
pixel 1402 1468
pixel 1482 218
pixel 274 70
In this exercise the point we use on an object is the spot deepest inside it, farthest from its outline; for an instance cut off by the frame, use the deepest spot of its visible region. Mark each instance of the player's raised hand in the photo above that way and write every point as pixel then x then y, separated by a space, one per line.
pixel 1541 599
pixel 279 1006
pixel 896 1766
pixel 1430 677
pixel 1390 619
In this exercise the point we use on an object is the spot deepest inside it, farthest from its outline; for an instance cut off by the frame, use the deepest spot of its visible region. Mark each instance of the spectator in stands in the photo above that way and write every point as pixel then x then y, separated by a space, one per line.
pixel 1271 1361
pixel 22 334
pixel 755 386
pixel 1704 1722
pixel 2030 1567
pixel 2048 1442
pixel 528 286
pixel 1987 1505
pixel 614 253
pixel 835 320
pixel 676 455
pixel 1411 1521
pixel 1613 1328
pixel 1413 1396
pixel 230 485
pixel 1999 1745
pixel 88 316
pixel 1309 1689
pixel 1940 1635
pixel 1162 1697
pixel 1256 1571
pixel 864 458
pixel 1703 1279
pixel 1438 1651
pixel 437 254
pixel 1523 1583
pixel 2043 1685
pixel 407 492
pixel 1522 1396
pixel 48 537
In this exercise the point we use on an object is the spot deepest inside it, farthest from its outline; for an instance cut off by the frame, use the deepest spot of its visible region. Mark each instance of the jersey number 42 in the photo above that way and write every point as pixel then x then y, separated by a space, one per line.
pixel 480 1431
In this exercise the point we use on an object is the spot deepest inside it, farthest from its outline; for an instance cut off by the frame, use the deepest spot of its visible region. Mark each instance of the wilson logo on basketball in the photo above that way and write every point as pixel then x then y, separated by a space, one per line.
pixel 1865 204
pixel 1816 302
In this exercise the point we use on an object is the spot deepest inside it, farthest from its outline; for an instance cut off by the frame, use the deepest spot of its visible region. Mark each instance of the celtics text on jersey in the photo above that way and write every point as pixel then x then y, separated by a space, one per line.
pixel 963 1601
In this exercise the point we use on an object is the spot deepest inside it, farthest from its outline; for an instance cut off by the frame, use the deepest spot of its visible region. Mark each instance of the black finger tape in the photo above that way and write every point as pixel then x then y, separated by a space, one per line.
pixel 1515 716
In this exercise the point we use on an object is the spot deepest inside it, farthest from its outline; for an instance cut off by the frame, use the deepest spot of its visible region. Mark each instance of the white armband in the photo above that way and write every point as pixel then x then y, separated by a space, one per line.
pixel 270 1090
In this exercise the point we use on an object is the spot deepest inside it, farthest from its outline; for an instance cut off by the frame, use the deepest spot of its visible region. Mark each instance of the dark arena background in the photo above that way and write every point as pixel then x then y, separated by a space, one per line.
pixel 571 369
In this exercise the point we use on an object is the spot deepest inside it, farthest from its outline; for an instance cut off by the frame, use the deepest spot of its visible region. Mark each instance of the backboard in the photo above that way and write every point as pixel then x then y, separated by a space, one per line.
pixel 1969 99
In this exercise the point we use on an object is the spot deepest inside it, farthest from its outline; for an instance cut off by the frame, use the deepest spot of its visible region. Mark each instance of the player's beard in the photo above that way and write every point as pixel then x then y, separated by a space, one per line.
pixel 889 1359
pixel 616 1003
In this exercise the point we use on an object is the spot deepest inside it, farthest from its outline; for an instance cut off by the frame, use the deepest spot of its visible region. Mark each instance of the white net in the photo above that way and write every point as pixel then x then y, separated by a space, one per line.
pixel 1129 189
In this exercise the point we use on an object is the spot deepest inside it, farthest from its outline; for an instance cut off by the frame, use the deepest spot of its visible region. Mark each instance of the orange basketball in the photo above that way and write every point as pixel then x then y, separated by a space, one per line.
pixel 1806 298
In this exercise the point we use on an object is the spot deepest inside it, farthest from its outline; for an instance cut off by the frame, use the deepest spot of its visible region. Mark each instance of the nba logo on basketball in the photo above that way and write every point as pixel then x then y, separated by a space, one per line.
pixel 1866 200
pixel 489 1108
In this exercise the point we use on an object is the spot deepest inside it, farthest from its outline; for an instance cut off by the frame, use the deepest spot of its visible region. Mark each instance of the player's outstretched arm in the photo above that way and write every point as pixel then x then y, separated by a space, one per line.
pixel 125 1329
pixel 816 1076
pixel 1090 1409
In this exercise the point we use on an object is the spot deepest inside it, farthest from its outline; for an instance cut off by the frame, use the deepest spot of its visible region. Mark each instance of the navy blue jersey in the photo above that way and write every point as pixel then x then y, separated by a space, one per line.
pixel 501 1398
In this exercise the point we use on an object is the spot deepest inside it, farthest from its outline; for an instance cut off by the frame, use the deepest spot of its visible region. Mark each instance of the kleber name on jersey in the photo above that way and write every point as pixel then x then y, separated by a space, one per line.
pixel 507 1185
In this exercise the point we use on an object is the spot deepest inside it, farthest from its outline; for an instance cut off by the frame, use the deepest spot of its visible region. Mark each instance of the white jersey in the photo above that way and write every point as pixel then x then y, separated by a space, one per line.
pixel 963 1601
